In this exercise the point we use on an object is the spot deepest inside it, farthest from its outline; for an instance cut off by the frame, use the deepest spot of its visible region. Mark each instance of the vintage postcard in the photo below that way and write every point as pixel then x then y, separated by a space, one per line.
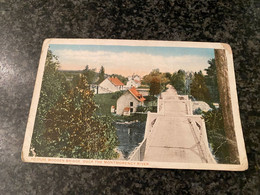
pixel 147 104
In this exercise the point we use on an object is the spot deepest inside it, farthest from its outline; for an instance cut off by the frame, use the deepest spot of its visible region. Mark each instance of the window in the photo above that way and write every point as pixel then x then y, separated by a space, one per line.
pixel 131 104
pixel 131 109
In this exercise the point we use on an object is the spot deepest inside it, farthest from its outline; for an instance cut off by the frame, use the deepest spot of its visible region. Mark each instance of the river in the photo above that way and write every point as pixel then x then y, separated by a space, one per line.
pixel 129 136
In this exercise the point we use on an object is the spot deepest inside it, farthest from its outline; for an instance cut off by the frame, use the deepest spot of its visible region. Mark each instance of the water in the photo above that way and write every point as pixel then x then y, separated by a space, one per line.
pixel 130 136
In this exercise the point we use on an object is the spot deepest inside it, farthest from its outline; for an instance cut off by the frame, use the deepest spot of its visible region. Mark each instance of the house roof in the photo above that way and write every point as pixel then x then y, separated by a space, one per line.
pixel 115 81
pixel 136 94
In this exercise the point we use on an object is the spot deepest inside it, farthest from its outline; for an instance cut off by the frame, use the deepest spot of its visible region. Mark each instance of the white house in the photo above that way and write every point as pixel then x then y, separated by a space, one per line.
pixel 110 85
pixel 137 78
pixel 133 81
pixel 129 101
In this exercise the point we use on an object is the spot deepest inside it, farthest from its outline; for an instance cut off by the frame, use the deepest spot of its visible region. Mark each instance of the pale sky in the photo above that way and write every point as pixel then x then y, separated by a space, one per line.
pixel 128 60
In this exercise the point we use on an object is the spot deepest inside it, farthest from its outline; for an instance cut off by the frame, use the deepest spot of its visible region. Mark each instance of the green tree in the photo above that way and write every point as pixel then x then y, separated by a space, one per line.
pixel 188 81
pixel 53 86
pixel 101 74
pixel 75 131
pixel 155 87
pixel 199 89
pixel 156 80
pixel 168 75
pixel 90 74
pixel 218 140
pixel 178 81
pixel 211 80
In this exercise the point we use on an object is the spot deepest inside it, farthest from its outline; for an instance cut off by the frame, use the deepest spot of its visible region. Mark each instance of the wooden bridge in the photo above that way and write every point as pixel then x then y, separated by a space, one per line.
pixel 173 134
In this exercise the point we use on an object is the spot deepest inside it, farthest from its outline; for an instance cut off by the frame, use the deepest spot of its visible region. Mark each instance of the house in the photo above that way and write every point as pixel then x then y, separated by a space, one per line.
pixel 110 85
pixel 129 101
pixel 133 81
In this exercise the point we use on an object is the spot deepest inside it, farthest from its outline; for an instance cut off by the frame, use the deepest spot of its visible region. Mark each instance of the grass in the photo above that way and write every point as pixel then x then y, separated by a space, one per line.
pixel 105 101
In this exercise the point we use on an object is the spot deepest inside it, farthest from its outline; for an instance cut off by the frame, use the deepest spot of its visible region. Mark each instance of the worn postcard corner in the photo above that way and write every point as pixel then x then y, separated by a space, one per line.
pixel 127 103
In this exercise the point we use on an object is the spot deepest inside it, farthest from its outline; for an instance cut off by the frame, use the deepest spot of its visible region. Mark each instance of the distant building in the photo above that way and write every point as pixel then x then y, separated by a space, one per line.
pixel 110 85
pixel 203 106
pixel 133 81
pixel 143 91
pixel 129 101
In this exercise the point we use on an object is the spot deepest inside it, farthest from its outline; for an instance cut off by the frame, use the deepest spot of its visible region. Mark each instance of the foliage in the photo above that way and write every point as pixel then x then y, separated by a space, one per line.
pixel 141 109
pixel 105 101
pixel 90 75
pixel 101 75
pixel 211 80
pixel 216 135
pixel 117 94
pixel 150 98
pixel 75 80
pixel 155 87
pixel 199 89
pixel 53 86
pixel 188 81
pixel 66 124
pixel 150 101
pixel 178 81
pixel 198 111
pixel 161 77
pixel 152 108
pixel 75 131
pixel 156 80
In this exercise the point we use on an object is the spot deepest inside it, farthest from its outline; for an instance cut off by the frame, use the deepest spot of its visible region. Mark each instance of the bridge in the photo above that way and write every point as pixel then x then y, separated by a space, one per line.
pixel 174 134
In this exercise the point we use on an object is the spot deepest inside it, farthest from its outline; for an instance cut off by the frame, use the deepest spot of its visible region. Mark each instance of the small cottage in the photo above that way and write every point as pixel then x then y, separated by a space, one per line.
pixel 129 101
pixel 133 81
pixel 110 85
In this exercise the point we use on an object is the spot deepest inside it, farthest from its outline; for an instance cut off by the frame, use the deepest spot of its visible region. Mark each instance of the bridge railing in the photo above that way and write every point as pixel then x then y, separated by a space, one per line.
pixel 138 153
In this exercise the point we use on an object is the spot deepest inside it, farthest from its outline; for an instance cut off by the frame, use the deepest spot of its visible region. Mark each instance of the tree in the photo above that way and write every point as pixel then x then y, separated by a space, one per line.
pixel 101 75
pixel 156 80
pixel 90 74
pixel 178 81
pixel 155 87
pixel 225 102
pixel 199 89
pixel 218 141
pixel 188 81
pixel 212 81
pixel 75 131
pixel 53 86
pixel 168 75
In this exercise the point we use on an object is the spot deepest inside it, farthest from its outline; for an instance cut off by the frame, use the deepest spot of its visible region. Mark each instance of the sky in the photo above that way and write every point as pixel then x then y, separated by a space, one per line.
pixel 129 60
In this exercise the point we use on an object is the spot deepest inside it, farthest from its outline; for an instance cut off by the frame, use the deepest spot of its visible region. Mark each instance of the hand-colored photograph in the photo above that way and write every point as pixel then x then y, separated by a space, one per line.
pixel 168 104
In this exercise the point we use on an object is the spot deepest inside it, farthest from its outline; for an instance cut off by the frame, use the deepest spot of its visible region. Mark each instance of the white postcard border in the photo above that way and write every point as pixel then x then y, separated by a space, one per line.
pixel 139 164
